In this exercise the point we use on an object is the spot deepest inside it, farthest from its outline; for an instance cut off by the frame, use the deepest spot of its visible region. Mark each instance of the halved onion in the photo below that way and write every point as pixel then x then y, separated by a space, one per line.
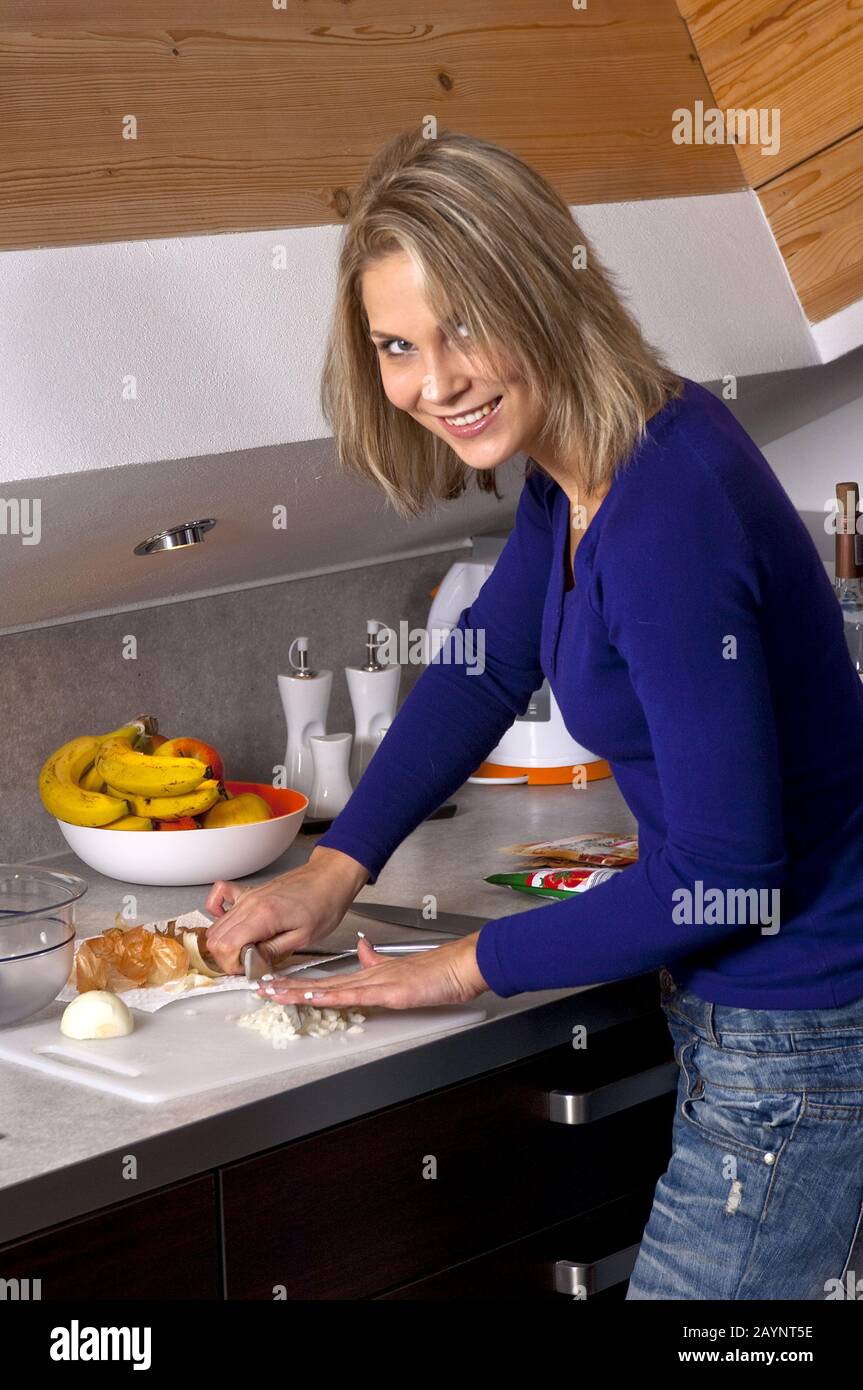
pixel 96 1014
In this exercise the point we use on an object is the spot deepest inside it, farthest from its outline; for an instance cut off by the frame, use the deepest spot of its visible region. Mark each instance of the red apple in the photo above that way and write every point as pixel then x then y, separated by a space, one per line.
pixel 182 823
pixel 194 748
pixel 152 743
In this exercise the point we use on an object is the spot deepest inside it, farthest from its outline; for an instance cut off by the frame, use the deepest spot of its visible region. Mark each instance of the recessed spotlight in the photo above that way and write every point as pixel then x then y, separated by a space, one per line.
pixel 188 533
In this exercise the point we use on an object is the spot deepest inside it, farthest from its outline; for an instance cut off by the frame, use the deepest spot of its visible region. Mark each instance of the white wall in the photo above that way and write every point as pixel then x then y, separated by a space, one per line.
pixel 226 350
pixel 808 424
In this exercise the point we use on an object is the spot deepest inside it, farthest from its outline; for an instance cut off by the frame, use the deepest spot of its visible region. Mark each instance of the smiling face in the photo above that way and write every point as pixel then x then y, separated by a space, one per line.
pixel 484 418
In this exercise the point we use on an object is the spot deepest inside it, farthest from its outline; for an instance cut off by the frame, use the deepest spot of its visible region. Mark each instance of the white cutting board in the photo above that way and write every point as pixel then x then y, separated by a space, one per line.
pixel 192 1045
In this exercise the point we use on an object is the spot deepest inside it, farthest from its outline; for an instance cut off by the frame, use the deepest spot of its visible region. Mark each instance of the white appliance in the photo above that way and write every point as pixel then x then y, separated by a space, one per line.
pixel 537 748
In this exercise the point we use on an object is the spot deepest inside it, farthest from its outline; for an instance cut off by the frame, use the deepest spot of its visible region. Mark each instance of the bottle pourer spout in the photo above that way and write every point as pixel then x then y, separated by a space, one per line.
pixel 301 666
pixel 373 640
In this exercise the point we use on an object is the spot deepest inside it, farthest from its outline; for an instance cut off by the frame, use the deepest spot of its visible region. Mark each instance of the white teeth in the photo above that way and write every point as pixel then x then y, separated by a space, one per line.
pixel 474 415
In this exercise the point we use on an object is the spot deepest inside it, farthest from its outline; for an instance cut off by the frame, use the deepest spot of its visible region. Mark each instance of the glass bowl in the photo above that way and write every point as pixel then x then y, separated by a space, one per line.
pixel 37 937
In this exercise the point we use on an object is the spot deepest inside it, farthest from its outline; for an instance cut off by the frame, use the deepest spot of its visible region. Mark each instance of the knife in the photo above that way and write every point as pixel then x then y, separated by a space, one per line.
pixel 452 923
pixel 352 954
pixel 255 967
pixel 253 961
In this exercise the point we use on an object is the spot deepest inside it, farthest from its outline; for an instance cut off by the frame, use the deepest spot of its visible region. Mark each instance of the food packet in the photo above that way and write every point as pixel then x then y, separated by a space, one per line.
pixel 552 881
pixel 595 850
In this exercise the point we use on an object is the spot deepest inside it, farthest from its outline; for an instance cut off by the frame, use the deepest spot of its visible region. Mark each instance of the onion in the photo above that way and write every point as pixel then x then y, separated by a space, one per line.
pixel 196 960
pixel 97 1014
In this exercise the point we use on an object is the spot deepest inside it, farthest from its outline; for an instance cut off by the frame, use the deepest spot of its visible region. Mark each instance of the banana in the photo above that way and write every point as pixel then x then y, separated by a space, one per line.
pixel 131 823
pixel 193 803
pixel 60 778
pixel 92 780
pixel 147 774
pixel 61 794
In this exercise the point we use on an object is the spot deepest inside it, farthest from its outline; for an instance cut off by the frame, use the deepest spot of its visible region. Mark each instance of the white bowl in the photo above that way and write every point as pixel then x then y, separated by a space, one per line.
pixel 180 857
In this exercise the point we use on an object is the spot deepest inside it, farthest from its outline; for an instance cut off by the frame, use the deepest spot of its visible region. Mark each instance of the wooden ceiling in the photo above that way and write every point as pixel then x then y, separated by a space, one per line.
pixel 804 59
pixel 249 122
pixel 248 117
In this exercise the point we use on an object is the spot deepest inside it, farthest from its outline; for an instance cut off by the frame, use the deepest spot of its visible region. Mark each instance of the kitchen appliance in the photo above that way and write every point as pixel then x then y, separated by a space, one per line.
pixel 537 748
pixel 194 1045
pixel 193 856
pixel 37 937
pixel 374 692
pixel 305 696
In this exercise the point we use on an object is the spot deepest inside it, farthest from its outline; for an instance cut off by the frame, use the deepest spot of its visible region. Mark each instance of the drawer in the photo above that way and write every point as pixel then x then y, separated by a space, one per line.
pixel 590 1256
pixel 367 1206
pixel 163 1246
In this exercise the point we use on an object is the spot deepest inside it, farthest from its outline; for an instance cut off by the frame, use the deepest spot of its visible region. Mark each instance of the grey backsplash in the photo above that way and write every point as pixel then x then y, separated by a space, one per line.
pixel 205 667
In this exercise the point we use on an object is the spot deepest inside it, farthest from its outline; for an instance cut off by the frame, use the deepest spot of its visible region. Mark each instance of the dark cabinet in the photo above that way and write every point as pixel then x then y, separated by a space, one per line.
pixel 588 1257
pixel 163 1246
pixel 424 1185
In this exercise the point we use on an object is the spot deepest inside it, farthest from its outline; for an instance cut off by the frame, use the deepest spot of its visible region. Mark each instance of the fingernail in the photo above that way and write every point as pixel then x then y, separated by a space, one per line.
pixel 268 977
pixel 308 994
pixel 362 934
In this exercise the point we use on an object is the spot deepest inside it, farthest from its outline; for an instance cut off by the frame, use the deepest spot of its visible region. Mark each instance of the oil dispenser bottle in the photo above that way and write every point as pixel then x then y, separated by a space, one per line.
pixel 305 696
pixel 374 691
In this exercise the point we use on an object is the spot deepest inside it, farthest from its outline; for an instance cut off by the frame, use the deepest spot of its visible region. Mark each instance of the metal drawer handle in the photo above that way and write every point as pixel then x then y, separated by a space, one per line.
pixel 583 1107
pixel 579 1280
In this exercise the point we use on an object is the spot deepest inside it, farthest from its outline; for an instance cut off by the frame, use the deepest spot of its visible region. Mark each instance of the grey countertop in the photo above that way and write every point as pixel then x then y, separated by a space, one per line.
pixel 65 1150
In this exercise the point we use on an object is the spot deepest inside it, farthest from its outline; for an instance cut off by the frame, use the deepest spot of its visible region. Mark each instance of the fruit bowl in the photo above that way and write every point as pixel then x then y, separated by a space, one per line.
pixel 193 856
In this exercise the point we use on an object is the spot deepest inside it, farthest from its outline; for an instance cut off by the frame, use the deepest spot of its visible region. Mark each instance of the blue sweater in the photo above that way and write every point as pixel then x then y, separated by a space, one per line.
pixel 702 653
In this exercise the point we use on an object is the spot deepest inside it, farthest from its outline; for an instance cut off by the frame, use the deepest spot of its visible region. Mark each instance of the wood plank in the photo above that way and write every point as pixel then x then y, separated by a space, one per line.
pixel 816 213
pixel 246 122
pixel 804 57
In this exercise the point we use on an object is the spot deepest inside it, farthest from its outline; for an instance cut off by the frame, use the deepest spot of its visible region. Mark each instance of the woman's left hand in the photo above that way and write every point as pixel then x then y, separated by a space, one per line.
pixel 446 974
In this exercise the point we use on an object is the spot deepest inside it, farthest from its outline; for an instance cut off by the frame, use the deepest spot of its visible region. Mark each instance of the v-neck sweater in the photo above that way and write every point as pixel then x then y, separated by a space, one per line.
pixel 702 653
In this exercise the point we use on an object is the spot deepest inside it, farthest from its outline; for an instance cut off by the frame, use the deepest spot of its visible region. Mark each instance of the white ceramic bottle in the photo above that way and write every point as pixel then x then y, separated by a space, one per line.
pixel 331 786
pixel 305 696
pixel 374 692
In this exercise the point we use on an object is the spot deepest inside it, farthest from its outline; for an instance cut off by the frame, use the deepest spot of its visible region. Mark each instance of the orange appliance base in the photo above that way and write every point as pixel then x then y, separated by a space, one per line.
pixel 545 776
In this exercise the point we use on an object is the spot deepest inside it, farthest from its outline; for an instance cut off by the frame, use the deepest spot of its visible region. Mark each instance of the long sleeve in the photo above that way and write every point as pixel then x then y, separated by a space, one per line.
pixel 459 707
pixel 676 586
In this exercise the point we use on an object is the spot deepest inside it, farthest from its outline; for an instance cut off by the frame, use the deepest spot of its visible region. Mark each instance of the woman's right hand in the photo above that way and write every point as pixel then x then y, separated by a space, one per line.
pixel 286 913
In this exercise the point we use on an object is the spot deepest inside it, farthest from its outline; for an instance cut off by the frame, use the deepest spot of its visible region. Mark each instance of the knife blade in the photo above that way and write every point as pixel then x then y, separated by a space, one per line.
pixel 254 965
pixel 352 953
pixel 453 923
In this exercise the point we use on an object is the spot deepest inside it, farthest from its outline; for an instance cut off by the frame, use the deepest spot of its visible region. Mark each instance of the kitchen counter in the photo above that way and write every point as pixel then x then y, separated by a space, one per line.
pixel 65 1149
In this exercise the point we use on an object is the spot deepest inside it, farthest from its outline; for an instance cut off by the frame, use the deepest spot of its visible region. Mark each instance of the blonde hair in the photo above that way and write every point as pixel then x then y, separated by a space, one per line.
pixel 494 245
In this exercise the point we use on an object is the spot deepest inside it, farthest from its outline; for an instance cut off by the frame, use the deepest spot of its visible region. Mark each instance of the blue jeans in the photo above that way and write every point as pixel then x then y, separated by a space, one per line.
pixel 763 1194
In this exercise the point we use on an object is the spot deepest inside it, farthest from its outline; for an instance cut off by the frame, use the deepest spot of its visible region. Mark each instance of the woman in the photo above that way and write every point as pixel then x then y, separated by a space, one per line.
pixel 660 577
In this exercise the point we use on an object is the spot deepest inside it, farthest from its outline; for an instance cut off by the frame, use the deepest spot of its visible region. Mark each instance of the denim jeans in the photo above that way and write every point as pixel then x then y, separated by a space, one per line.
pixel 763 1194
